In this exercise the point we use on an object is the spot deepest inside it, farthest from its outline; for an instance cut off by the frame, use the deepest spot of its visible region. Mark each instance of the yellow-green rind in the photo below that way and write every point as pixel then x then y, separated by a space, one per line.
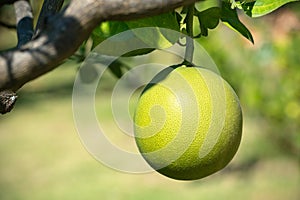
pixel 166 120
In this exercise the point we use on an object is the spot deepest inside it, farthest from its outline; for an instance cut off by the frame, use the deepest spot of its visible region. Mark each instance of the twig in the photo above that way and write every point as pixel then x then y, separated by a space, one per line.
pixel 189 50
pixel 7 101
pixel 49 8
pixel 24 21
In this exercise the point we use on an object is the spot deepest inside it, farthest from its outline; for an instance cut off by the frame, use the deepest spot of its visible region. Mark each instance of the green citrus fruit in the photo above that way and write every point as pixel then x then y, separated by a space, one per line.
pixel 188 123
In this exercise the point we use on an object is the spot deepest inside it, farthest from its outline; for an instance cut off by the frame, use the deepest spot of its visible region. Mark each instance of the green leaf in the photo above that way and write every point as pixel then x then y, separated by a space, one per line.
pixel 208 19
pixel 204 5
pixel 263 7
pixel 230 18
pixel 157 37
pixel 116 68
pixel 106 30
pixel 111 28
pixel 154 37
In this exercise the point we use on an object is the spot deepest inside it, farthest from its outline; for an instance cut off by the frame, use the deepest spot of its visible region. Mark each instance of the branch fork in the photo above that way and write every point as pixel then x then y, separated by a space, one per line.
pixel 42 50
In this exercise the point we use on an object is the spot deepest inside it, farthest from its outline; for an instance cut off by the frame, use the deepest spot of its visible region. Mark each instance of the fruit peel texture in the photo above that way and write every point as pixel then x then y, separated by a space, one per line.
pixel 173 120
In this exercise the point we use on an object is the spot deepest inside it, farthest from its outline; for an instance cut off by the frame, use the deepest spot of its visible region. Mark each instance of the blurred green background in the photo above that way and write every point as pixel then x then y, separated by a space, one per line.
pixel 42 156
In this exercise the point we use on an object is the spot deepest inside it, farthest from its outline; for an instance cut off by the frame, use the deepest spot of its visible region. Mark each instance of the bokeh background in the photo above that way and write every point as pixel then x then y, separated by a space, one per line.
pixel 42 157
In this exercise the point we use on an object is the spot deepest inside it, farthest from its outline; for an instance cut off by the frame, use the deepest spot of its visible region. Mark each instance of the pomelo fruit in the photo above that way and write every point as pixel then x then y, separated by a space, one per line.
pixel 188 123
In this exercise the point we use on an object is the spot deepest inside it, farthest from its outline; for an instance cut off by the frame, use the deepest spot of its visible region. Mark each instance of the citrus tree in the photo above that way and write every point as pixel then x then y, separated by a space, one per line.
pixel 63 27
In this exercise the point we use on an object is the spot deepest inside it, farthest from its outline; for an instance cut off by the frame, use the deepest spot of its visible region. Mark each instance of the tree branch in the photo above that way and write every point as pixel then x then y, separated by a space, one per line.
pixel 65 32
pixel 24 21
pixel 49 8
pixel 7 100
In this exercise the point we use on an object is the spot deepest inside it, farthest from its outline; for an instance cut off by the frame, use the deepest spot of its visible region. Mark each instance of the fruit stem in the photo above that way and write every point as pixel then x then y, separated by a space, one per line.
pixel 189 51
